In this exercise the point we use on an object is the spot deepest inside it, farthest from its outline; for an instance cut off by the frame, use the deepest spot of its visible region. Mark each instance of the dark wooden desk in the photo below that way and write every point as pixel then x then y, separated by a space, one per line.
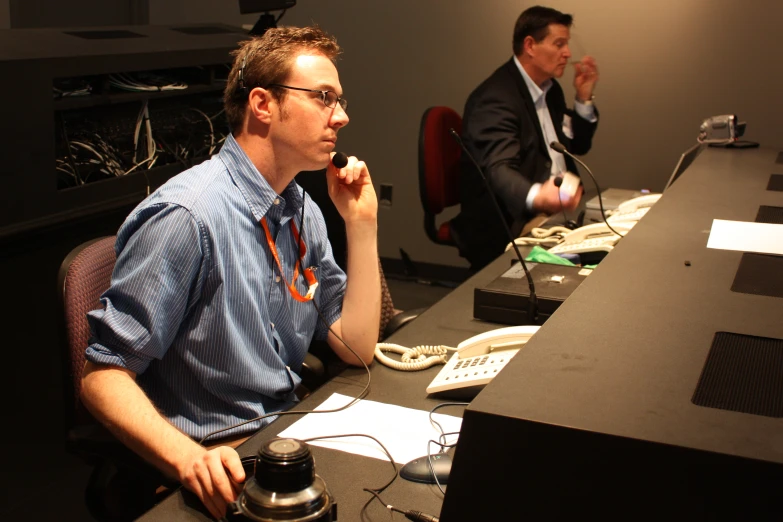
pixel 595 415
pixel 620 358
pixel 449 322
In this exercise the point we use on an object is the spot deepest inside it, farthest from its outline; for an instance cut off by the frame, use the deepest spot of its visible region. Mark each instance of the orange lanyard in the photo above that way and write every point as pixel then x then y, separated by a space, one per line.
pixel 308 273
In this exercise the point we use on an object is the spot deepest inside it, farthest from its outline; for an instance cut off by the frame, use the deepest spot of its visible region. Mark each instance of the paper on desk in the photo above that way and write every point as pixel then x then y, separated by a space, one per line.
pixel 764 238
pixel 404 431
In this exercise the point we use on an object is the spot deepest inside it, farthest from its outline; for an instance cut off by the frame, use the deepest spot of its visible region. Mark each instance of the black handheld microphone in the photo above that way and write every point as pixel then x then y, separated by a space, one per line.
pixel 559 147
pixel 533 300
pixel 339 160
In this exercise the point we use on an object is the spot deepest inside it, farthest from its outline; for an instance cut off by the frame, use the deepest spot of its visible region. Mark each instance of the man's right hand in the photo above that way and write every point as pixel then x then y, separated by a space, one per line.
pixel 112 395
pixel 215 476
pixel 548 201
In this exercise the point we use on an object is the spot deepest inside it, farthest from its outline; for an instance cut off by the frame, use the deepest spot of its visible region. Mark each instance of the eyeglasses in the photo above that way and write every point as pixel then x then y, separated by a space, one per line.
pixel 329 98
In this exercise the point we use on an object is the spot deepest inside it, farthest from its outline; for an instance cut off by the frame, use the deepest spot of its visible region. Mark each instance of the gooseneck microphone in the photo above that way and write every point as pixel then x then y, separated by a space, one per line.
pixel 559 147
pixel 339 160
pixel 533 299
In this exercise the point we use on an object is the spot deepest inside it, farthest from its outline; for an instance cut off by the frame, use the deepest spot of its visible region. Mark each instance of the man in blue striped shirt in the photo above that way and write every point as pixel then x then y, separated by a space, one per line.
pixel 208 318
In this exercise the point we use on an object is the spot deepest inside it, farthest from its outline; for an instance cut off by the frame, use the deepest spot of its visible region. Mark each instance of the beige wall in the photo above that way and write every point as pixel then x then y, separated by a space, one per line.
pixel 5 15
pixel 664 65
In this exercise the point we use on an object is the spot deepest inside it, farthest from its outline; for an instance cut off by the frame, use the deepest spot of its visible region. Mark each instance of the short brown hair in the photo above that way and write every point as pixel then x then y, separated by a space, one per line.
pixel 268 59
pixel 535 22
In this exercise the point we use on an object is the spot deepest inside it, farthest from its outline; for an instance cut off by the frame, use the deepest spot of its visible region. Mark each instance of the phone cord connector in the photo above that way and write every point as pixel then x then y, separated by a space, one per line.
pixel 418 516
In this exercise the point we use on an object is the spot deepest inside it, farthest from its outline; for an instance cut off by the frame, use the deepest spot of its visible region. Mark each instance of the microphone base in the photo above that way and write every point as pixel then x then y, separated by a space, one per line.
pixel 506 299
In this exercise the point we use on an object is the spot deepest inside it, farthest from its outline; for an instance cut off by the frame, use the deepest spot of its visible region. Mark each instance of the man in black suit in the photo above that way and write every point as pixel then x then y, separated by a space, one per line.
pixel 508 124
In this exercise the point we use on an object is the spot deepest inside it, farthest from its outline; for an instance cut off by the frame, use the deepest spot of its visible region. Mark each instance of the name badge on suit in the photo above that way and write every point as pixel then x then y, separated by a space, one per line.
pixel 568 130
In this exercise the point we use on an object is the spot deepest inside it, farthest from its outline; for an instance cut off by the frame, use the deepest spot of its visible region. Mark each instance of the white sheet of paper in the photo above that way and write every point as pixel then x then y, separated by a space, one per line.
pixel 764 238
pixel 404 431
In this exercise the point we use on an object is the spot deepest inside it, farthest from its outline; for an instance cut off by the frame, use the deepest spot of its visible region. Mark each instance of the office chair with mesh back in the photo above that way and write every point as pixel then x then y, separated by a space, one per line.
pixel 121 486
pixel 321 363
pixel 439 169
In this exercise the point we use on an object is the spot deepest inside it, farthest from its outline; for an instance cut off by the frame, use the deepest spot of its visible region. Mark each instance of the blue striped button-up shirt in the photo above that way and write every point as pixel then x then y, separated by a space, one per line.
pixel 197 307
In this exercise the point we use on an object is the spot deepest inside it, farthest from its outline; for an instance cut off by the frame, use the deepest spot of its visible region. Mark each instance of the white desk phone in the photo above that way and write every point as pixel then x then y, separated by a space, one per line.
pixel 633 209
pixel 592 238
pixel 596 237
pixel 477 360
pixel 474 363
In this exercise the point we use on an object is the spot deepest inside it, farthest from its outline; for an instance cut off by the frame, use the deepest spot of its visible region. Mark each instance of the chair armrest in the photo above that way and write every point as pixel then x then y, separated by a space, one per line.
pixel 91 441
pixel 94 443
pixel 400 320
pixel 313 375
pixel 312 368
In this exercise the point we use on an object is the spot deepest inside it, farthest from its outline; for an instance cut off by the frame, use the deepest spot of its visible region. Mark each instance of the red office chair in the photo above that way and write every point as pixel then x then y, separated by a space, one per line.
pixel 439 169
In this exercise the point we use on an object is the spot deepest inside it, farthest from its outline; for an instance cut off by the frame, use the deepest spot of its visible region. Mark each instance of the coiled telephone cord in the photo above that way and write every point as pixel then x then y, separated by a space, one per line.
pixel 413 359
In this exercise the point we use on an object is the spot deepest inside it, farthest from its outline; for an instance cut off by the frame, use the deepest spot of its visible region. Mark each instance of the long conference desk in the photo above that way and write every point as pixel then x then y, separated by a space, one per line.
pixel 654 391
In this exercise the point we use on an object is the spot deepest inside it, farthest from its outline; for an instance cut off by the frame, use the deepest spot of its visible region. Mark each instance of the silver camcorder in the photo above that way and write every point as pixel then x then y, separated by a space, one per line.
pixel 721 129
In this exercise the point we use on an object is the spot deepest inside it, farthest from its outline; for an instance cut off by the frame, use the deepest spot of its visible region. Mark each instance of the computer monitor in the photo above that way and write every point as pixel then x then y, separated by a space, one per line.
pixel 684 162
pixel 264 6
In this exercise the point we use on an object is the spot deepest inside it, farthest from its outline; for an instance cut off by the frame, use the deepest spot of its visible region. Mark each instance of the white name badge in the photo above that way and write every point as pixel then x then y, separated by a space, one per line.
pixel 567 128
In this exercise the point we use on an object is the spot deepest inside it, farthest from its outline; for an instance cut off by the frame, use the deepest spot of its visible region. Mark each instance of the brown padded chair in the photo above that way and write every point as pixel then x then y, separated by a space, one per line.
pixel 316 189
pixel 321 363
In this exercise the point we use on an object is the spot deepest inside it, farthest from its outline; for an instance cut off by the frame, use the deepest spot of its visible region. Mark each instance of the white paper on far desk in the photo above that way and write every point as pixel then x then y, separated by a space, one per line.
pixel 404 431
pixel 764 238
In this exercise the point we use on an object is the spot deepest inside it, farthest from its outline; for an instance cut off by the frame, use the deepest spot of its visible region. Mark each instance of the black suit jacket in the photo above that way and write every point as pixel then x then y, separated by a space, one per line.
pixel 501 129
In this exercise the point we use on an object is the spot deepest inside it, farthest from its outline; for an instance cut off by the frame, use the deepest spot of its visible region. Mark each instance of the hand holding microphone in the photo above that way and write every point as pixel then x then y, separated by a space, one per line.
pixel 351 188
pixel 560 192
pixel 559 147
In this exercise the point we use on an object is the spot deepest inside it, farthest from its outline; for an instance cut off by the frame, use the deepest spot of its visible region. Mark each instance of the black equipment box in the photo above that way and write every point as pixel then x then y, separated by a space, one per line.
pixel 505 300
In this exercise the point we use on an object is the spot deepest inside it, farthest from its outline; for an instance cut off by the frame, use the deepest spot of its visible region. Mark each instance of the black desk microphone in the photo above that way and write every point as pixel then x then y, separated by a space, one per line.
pixel 532 313
pixel 559 147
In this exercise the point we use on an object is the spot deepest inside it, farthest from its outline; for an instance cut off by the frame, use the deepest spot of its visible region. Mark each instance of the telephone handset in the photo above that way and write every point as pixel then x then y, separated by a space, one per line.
pixel 592 238
pixel 480 358
pixel 645 201
pixel 633 209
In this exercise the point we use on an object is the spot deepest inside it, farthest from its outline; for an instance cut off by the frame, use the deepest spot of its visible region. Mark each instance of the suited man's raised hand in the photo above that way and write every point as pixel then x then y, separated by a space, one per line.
pixel 585 78
pixel 548 201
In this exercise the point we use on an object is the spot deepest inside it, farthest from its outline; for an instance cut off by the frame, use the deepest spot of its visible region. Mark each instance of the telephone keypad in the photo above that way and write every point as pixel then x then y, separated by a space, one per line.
pixel 487 360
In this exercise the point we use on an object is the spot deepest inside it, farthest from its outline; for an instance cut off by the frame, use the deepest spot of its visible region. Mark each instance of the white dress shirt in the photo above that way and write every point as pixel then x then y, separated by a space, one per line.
pixel 586 111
